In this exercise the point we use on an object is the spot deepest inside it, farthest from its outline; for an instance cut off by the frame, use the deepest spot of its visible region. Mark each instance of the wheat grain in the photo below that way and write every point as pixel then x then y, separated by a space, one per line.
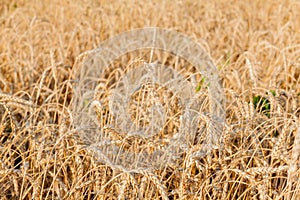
pixel 255 53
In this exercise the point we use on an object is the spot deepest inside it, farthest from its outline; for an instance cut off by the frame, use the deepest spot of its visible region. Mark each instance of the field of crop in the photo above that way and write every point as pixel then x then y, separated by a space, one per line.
pixel 48 152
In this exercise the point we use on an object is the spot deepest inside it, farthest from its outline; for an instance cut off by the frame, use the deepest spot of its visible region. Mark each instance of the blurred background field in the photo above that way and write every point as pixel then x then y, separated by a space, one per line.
pixel 255 46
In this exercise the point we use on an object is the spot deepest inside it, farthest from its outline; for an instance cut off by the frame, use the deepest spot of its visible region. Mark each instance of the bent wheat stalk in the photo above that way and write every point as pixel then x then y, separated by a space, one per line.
pixel 16 102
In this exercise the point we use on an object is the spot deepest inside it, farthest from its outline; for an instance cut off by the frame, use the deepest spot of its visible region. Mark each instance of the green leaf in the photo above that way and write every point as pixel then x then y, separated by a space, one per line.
pixel 199 86
pixel 262 105
pixel 273 92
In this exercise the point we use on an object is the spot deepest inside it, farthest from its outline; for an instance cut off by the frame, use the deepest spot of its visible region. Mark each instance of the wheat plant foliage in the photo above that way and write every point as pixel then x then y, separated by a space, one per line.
pixel 255 46
pixel 150 80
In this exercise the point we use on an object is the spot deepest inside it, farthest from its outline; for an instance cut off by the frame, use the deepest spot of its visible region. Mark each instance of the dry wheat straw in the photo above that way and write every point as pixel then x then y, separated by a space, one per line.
pixel 261 49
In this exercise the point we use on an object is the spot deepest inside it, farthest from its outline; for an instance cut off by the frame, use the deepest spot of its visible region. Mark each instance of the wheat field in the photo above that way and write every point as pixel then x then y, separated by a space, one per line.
pixel 255 46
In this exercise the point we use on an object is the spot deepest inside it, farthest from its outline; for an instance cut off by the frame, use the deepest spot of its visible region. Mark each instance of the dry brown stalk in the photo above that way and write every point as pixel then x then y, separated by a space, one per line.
pixel 255 46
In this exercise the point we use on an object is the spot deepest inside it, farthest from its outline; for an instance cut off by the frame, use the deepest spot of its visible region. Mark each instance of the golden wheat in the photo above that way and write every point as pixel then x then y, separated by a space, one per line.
pixel 256 48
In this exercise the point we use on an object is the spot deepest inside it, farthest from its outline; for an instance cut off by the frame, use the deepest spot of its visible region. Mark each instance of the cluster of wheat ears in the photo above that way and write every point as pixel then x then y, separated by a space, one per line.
pixel 44 155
